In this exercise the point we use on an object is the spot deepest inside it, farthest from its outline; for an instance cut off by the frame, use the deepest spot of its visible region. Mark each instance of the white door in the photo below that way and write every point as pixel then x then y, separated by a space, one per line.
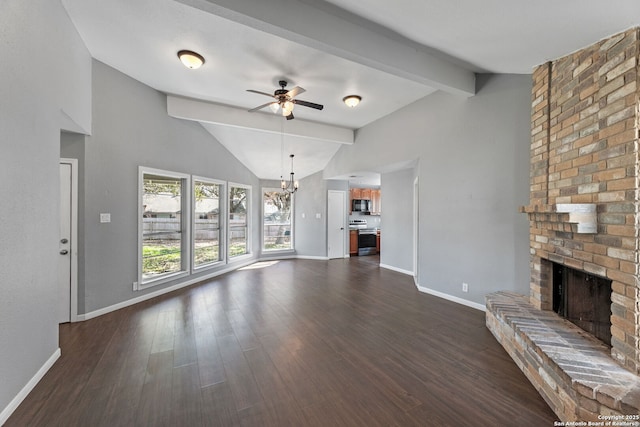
pixel 65 243
pixel 336 224
pixel 416 229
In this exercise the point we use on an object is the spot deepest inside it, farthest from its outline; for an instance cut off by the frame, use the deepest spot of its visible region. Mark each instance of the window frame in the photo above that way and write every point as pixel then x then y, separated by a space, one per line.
pixel 185 232
pixel 291 227
pixel 249 251
pixel 222 217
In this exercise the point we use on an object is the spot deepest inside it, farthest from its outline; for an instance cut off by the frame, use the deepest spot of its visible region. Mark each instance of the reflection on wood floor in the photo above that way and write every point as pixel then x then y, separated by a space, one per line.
pixel 295 343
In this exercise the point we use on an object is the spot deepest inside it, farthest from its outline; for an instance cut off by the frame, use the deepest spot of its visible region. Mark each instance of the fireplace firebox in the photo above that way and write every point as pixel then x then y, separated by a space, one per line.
pixel 583 299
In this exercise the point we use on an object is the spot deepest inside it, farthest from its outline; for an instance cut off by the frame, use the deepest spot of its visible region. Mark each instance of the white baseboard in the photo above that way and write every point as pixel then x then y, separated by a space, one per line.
pixel 6 412
pixel 318 258
pixel 452 298
pixel 399 270
pixel 145 297
pixel 436 293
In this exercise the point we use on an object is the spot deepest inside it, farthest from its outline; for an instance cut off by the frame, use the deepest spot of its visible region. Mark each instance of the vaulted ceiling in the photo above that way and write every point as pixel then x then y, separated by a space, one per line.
pixel 389 53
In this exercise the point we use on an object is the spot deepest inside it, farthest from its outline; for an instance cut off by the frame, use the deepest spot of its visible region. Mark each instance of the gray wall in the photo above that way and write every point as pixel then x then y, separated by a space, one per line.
pixel 396 236
pixel 311 232
pixel 44 87
pixel 131 128
pixel 473 174
pixel 473 157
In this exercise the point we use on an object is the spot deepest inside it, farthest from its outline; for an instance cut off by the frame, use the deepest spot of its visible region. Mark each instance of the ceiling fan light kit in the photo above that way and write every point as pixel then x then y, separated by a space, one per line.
pixel 191 59
pixel 352 100
pixel 284 100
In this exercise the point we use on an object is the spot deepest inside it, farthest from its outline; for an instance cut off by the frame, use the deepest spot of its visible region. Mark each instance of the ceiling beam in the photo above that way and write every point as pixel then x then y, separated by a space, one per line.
pixel 328 30
pixel 208 112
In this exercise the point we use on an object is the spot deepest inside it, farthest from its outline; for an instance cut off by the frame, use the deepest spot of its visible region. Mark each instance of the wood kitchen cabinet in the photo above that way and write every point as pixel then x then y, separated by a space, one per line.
pixel 353 242
pixel 378 242
pixel 354 193
pixel 375 202
pixel 365 194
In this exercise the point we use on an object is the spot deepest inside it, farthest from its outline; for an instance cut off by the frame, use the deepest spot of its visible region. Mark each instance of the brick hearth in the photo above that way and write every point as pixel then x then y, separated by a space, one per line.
pixel 572 370
pixel 583 213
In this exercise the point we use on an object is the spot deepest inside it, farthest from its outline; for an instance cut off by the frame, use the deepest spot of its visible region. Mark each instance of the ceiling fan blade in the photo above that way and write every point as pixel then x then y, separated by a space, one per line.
pixel 261 93
pixel 308 104
pixel 289 117
pixel 260 107
pixel 295 91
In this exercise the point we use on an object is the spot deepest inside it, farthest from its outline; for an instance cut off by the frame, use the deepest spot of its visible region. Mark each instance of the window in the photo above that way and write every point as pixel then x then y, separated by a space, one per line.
pixel 276 220
pixel 163 249
pixel 238 220
pixel 206 222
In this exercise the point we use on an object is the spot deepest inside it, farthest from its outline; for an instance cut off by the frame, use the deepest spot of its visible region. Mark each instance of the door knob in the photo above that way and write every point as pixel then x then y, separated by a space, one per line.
pixel 64 252
pixel 63 241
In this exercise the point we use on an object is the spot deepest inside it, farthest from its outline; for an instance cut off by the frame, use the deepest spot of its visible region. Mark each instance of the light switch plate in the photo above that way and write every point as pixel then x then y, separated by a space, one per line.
pixel 105 217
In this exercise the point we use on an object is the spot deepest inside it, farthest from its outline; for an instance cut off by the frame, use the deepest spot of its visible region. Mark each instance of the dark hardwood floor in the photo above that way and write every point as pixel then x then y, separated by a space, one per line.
pixel 297 343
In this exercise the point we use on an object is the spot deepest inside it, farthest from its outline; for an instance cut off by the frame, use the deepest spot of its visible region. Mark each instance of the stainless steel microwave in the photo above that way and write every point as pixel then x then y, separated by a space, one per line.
pixel 359 205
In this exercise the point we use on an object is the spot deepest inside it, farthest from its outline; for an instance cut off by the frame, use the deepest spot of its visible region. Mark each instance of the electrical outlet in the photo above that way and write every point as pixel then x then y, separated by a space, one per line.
pixel 465 287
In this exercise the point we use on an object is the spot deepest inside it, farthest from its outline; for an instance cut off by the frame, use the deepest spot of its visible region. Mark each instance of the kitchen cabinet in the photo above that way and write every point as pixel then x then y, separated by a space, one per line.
pixel 354 193
pixel 378 242
pixel 365 194
pixel 375 202
pixel 353 242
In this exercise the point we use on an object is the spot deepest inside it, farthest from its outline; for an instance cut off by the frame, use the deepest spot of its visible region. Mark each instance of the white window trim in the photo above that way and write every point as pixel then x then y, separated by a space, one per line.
pixel 249 253
pixel 276 251
pixel 186 232
pixel 222 232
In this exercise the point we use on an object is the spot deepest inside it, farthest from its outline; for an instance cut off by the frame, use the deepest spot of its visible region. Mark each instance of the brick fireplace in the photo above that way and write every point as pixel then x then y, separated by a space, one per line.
pixel 583 214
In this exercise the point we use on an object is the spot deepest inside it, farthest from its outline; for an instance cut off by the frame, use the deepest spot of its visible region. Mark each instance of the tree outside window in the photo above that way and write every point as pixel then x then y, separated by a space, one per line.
pixel 238 220
pixel 276 220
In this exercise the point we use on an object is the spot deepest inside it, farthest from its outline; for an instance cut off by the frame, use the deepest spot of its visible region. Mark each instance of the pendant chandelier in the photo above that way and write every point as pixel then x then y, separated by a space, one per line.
pixel 292 185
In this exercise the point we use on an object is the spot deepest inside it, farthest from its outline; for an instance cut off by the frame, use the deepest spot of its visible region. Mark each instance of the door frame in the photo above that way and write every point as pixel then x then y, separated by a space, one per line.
pixel 416 229
pixel 74 236
pixel 345 246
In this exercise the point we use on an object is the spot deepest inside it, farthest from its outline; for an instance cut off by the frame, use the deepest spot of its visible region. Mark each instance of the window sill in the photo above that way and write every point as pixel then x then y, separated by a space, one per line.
pixel 208 266
pixel 237 258
pixel 160 280
pixel 278 251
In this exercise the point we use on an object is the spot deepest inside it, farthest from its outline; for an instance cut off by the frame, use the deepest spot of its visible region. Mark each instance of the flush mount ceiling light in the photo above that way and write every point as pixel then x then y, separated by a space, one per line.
pixel 352 100
pixel 191 59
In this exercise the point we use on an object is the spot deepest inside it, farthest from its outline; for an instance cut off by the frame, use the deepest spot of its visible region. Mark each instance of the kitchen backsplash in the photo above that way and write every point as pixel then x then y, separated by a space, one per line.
pixel 373 221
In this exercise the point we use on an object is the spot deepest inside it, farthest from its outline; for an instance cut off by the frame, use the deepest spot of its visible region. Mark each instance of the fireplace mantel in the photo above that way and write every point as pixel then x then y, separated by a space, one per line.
pixel 583 215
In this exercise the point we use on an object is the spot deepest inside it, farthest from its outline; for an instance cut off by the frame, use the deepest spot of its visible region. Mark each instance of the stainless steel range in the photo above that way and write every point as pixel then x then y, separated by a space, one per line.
pixel 357 224
pixel 367 237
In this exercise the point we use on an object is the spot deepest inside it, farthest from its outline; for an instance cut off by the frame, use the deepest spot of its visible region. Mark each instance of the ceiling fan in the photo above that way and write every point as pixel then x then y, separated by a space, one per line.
pixel 284 100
